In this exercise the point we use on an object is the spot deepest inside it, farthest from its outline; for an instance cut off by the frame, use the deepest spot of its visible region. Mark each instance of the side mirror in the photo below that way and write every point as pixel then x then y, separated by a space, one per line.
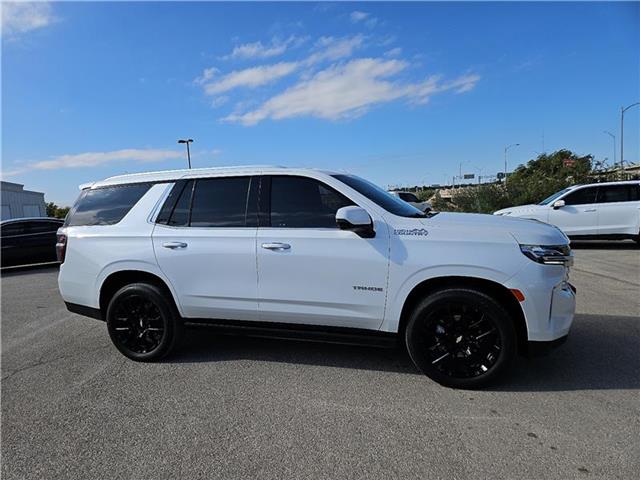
pixel 355 219
pixel 558 204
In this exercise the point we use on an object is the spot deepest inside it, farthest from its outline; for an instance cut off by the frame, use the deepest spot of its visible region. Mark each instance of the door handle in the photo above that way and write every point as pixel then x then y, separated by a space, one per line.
pixel 174 245
pixel 589 209
pixel 276 246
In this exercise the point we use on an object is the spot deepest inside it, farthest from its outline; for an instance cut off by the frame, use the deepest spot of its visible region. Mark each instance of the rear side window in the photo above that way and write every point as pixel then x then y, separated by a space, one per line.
pixel 13 229
pixel 583 196
pixel 300 202
pixel 44 227
pixel 220 202
pixel 211 202
pixel 618 193
pixel 105 206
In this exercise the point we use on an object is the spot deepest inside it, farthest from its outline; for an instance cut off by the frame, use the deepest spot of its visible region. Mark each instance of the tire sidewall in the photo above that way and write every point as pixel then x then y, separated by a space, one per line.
pixel 170 319
pixel 501 319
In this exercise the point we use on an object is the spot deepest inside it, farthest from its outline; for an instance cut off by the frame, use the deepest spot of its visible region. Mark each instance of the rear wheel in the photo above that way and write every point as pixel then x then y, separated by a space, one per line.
pixel 461 338
pixel 142 323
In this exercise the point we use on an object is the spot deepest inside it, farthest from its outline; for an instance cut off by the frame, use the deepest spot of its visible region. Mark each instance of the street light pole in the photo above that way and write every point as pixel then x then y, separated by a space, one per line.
pixel 622 110
pixel 506 149
pixel 187 141
pixel 614 145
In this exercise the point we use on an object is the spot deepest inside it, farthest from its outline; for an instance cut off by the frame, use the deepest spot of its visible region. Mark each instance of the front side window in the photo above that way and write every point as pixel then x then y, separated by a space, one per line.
pixel 105 205
pixel 301 202
pixel 618 193
pixel 380 197
pixel 582 196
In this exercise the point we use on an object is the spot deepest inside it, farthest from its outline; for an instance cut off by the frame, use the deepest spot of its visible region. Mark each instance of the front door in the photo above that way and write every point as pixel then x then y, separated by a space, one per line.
pixel 579 216
pixel 311 272
pixel 205 245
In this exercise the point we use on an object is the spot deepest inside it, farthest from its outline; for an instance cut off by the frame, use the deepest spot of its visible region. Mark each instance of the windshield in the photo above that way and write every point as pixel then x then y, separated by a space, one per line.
pixel 381 197
pixel 550 199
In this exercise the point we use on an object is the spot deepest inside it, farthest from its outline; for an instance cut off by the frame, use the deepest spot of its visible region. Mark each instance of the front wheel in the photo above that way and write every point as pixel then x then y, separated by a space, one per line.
pixel 461 338
pixel 142 323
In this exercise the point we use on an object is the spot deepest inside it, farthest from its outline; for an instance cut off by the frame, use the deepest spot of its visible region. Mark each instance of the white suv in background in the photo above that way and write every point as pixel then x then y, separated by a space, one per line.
pixel 293 251
pixel 601 210
pixel 412 199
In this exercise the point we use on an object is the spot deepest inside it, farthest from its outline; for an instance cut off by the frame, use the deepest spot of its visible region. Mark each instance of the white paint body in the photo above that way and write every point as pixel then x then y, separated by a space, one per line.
pixel 327 276
pixel 596 218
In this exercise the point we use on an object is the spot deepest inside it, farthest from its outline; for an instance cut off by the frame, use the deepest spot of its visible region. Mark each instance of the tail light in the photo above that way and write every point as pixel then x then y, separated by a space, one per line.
pixel 61 247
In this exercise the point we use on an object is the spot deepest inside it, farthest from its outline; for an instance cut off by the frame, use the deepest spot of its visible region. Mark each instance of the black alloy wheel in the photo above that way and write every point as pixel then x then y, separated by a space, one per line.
pixel 143 324
pixel 461 338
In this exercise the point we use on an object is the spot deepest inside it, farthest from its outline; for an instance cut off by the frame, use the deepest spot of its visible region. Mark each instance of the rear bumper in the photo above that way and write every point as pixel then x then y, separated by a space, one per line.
pixel 84 310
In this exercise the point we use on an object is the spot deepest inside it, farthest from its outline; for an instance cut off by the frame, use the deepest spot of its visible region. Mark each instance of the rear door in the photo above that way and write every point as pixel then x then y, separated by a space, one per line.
pixel 311 272
pixel 579 216
pixel 205 244
pixel 12 237
pixel 42 240
pixel 618 209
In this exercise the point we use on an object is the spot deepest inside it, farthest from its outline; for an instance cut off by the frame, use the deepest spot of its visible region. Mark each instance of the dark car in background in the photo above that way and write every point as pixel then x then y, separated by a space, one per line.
pixel 29 240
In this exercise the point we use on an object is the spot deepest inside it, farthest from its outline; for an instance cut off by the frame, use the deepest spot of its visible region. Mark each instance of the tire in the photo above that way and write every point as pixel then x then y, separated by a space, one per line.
pixel 143 323
pixel 461 338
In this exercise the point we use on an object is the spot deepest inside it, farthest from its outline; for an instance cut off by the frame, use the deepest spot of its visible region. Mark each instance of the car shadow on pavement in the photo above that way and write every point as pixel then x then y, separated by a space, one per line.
pixel 602 352
pixel 202 344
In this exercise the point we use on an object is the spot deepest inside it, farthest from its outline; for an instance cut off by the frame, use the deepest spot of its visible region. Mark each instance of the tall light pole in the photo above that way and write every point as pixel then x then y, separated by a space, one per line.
pixel 614 145
pixel 506 149
pixel 187 141
pixel 622 110
pixel 460 170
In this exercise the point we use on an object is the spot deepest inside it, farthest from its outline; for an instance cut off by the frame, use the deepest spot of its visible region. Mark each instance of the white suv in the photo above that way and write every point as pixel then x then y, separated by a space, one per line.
pixel 290 250
pixel 412 199
pixel 601 210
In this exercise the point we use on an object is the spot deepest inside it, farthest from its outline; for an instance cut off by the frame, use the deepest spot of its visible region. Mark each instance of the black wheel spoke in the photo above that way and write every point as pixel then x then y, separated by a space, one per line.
pixel 460 340
pixel 138 324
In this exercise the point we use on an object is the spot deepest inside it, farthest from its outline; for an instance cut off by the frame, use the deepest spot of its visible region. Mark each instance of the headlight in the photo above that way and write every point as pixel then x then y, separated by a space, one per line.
pixel 502 213
pixel 549 254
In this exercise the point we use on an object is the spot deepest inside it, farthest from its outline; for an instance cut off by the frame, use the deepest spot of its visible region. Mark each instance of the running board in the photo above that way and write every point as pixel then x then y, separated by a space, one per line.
pixel 298 332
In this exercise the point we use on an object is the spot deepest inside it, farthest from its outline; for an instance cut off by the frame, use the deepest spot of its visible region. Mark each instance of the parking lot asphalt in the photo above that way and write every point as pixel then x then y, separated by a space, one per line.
pixel 232 407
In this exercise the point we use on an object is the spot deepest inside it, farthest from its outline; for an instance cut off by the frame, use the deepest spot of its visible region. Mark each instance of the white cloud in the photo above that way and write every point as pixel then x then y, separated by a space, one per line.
pixel 22 17
pixel 394 52
pixel 349 90
pixel 93 159
pixel 357 16
pixel 331 48
pixel 258 50
pixel 249 77
pixel 327 49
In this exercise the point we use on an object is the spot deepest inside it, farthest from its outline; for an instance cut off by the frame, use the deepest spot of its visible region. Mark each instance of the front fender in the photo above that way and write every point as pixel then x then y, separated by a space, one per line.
pixel 397 300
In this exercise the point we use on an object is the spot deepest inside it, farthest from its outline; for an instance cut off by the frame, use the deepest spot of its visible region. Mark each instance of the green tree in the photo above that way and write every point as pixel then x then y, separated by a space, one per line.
pixel 547 174
pixel 55 211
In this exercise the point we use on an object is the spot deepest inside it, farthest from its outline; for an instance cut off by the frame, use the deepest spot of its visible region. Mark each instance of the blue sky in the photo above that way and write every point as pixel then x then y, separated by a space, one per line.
pixel 398 93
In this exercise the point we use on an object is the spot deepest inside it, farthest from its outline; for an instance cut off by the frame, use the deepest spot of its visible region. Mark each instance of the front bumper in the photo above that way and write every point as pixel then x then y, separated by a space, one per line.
pixel 550 301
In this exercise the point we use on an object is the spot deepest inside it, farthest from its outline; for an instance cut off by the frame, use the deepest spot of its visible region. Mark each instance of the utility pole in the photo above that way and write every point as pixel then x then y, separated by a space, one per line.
pixel 614 145
pixel 506 149
pixel 187 142
pixel 622 110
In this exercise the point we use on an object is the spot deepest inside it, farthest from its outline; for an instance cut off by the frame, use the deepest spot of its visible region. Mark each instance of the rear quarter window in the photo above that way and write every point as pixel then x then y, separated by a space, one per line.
pixel 106 205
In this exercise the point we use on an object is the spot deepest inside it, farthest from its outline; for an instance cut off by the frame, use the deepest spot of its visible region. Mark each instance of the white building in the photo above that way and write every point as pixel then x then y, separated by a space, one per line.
pixel 18 202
